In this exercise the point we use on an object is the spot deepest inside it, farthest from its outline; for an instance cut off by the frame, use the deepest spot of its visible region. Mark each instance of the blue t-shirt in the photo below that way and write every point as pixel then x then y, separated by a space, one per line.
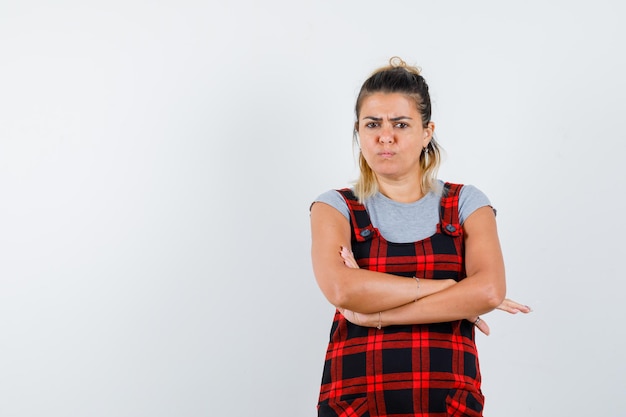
pixel 409 222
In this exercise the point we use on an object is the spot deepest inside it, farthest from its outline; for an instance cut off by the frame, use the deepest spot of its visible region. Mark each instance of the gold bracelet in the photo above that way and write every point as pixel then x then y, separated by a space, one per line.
pixel 418 287
pixel 380 320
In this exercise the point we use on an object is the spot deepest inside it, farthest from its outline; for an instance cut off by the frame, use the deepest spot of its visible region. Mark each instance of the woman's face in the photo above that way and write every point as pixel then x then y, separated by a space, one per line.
pixel 391 134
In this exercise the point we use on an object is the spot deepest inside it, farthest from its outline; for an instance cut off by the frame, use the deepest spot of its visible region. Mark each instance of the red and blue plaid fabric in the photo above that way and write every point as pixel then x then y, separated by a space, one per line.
pixel 404 371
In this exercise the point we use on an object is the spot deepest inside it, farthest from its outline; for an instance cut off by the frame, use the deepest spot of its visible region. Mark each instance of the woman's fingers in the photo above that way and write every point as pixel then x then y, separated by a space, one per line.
pixel 480 324
pixel 513 307
pixel 348 258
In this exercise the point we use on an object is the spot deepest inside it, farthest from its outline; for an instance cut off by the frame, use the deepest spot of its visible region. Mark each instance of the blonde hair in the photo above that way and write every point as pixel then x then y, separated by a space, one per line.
pixel 398 77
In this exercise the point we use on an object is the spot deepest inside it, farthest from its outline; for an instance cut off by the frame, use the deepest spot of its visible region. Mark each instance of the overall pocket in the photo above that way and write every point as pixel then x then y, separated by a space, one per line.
pixel 461 403
pixel 356 407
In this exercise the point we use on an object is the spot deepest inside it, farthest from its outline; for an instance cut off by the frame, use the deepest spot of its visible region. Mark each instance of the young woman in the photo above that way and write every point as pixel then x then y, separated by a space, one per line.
pixel 409 261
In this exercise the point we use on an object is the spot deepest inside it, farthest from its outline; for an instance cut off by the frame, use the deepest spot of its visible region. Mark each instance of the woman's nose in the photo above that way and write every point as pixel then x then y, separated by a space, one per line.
pixel 386 136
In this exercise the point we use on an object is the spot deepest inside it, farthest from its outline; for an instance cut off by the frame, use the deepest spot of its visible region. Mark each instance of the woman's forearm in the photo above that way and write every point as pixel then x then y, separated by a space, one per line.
pixel 463 300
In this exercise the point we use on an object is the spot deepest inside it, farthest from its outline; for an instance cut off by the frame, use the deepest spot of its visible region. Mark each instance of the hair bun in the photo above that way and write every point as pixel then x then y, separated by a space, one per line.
pixel 397 62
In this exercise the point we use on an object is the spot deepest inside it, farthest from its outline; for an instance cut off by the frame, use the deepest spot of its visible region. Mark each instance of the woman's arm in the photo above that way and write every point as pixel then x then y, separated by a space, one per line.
pixel 375 320
pixel 357 289
pixel 482 291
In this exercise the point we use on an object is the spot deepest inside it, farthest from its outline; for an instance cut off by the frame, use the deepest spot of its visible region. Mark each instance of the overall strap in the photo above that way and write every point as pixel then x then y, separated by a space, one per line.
pixel 362 228
pixel 449 210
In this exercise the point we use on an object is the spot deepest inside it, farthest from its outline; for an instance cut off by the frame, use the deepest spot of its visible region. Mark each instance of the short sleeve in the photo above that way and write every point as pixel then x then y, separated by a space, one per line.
pixel 334 199
pixel 470 200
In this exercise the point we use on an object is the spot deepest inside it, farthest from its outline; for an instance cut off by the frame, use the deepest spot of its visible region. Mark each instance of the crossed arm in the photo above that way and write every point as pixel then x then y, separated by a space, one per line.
pixel 362 294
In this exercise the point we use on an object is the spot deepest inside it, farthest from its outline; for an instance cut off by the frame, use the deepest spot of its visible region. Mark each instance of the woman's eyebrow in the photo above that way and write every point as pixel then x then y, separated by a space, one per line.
pixel 394 119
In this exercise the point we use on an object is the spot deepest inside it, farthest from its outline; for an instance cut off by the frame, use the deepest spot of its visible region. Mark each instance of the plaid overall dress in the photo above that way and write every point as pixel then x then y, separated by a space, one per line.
pixel 412 370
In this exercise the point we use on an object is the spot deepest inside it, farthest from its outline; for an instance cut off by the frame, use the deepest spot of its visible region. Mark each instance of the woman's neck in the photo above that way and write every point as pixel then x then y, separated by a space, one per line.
pixel 407 190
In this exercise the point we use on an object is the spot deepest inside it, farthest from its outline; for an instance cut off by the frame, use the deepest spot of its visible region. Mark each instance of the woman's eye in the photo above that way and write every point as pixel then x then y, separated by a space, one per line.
pixel 401 125
pixel 371 125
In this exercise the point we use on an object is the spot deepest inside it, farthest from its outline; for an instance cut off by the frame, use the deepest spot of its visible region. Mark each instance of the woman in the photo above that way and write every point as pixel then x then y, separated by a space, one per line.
pixel 409 261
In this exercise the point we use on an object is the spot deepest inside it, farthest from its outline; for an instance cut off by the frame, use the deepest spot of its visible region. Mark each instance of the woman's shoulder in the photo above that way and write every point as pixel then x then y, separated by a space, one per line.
pixel 471 191
pixel 330 195
pixel 334 199
pixel 471 198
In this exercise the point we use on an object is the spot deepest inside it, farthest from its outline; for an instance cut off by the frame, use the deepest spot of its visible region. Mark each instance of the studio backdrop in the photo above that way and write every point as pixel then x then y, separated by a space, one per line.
pixel 158 161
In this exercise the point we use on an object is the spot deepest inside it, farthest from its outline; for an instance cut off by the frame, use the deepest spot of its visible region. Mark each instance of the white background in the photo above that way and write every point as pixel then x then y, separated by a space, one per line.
pixel 158 159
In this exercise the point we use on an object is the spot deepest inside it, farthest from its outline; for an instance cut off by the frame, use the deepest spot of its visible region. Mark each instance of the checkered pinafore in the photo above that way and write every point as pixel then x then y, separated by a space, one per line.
pixel 404 371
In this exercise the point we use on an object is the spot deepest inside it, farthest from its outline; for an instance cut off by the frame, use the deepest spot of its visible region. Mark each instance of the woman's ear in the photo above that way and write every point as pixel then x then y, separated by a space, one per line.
pixel 355 136
pixel 429 131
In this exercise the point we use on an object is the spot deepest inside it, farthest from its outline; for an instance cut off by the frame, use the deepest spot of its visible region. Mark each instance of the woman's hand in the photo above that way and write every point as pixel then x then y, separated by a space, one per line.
pixel 348 258
pixel 507 305
pixel 514 307
pixel 360 319
pixel 480 324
